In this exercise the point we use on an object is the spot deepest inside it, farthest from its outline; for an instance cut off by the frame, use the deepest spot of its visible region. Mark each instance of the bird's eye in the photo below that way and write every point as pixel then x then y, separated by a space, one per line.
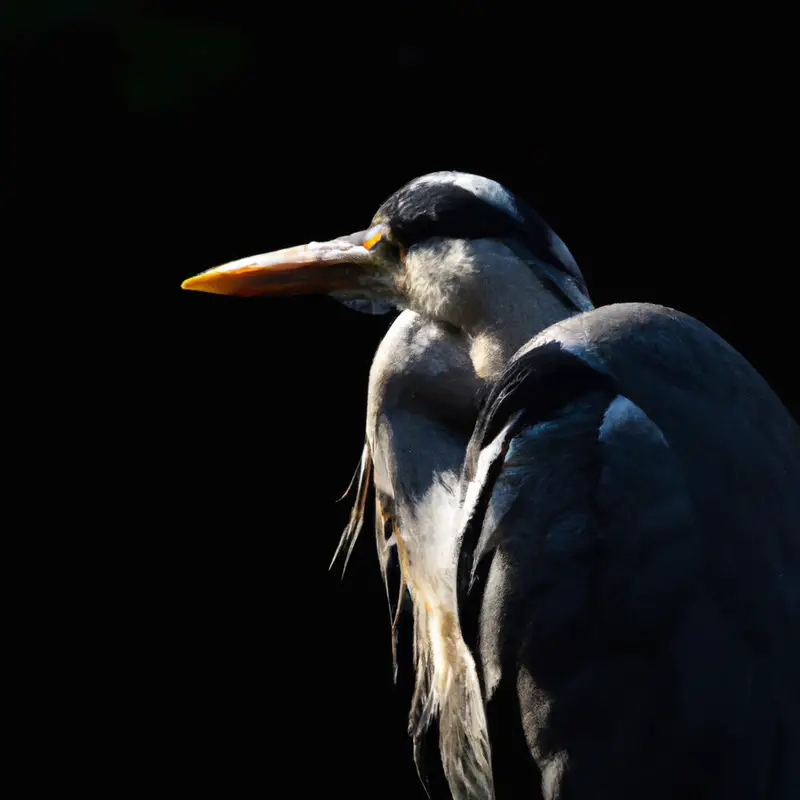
pixel 380 236
pixel 374 237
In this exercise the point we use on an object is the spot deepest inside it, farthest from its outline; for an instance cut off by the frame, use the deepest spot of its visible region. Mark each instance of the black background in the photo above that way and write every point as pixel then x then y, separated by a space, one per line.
pixel 213 650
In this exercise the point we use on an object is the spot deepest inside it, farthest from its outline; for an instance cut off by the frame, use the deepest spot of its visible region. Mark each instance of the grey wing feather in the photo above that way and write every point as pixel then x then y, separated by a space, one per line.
pixel 642 634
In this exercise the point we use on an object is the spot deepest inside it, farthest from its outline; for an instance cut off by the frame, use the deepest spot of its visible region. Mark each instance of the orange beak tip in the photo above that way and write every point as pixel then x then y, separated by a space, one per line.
pixel 191 284
pixel 203 283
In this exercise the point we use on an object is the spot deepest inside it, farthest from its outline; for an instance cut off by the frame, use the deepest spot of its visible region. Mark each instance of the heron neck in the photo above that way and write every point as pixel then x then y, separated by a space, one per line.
pixel 511 316
pixel 482 288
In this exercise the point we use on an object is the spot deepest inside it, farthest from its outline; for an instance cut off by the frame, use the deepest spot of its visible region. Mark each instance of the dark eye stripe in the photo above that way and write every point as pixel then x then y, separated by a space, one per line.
pixel 425 211
pixel 443 211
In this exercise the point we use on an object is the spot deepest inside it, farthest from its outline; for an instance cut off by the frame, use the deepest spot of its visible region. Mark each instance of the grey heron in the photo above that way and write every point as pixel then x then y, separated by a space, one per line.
pixel 594 511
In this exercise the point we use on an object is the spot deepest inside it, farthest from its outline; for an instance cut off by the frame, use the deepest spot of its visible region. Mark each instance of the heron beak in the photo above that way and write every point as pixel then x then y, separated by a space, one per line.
pixel 314 268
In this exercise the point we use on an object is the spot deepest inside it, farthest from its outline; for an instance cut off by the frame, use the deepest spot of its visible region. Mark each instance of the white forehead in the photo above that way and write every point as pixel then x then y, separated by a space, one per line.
pixel 488 190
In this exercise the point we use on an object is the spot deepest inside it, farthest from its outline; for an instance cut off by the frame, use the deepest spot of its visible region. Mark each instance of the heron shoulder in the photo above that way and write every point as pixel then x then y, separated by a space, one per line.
pixel 597 534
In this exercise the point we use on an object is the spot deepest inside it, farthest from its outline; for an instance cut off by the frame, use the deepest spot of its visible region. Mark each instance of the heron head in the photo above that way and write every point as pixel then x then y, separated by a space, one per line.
pixel 429 247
